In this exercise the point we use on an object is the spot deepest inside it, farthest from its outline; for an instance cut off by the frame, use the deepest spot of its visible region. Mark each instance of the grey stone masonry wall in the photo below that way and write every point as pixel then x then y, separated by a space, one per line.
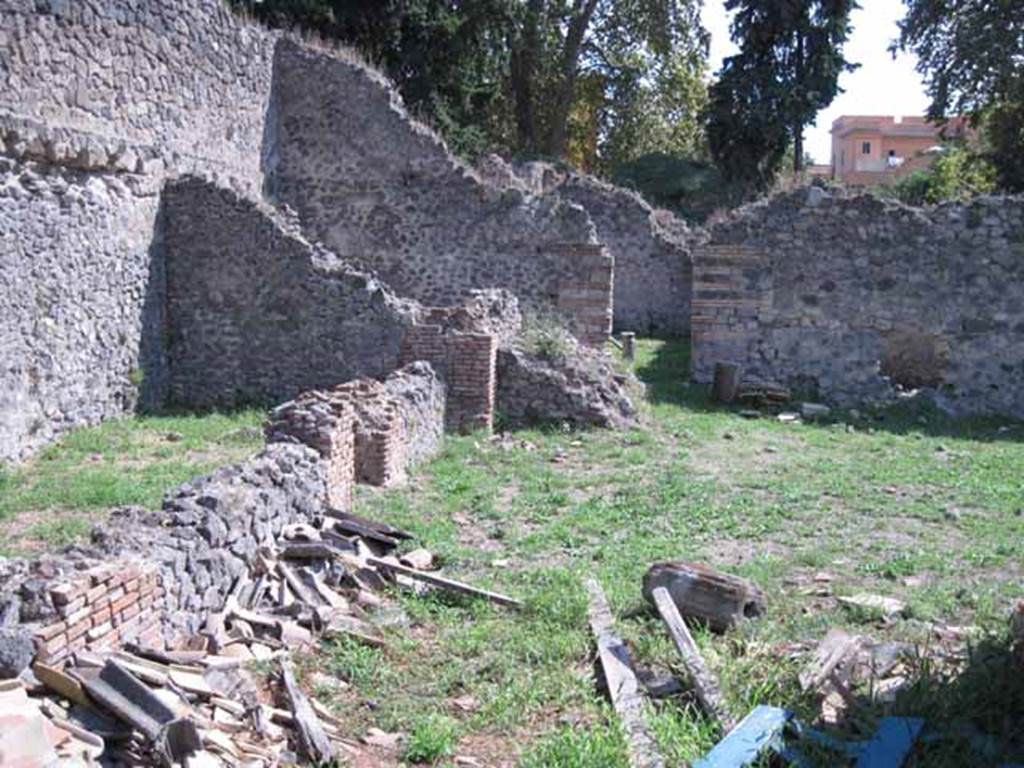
pixel 384 193
pixel 80 313
pixel 854 296
pixel 652 249
pixel 188 81
pixel 156 575
pixel 255 312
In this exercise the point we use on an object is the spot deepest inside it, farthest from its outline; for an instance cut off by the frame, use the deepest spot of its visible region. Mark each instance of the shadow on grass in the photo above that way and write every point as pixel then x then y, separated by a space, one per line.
pixel 666 373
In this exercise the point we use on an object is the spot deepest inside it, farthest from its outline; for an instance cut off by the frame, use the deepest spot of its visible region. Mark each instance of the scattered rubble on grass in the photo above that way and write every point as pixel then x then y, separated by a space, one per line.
pixel 203 704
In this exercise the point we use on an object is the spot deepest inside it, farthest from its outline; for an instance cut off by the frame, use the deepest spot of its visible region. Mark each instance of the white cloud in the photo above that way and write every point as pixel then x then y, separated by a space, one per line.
pixel 880 86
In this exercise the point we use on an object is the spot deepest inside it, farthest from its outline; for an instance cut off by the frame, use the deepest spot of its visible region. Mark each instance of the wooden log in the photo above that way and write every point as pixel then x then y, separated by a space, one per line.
pixel 439 581
pixel 313 740
pixel 623 687
pixel 705 684
pixel 726 382
pixel 721 600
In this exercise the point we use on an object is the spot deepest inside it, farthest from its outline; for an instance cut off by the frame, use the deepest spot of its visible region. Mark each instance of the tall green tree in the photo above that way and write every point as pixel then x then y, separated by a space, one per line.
pixel 553 78
pixel 787 69
pixel 971 53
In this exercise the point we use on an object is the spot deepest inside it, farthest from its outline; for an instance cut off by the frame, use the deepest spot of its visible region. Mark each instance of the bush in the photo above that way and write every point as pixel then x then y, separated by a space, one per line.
pixel 958 174
pixel 546 336
pixel 432 738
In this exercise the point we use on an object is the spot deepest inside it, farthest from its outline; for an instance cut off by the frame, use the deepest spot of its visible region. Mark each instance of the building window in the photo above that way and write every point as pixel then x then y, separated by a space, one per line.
pixel 865 147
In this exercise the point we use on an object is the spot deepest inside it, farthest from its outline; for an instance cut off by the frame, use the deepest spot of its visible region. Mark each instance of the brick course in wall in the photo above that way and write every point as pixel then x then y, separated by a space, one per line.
pixel 585 297
pixel 102 608
pixel 467 362
pixel 855 297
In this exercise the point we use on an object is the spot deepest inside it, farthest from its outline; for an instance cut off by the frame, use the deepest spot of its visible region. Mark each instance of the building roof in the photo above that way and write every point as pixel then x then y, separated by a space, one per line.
pixel 888 125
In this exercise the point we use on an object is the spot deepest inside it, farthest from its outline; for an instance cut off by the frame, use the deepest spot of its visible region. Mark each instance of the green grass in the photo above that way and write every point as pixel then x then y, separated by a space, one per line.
pixel 54 499
pixel 906 504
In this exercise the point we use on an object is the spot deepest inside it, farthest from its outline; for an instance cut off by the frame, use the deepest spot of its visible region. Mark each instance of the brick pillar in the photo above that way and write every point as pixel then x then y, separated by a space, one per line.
pixel 732 299
pixel 472 381
pixel 586 289
pixel 326 425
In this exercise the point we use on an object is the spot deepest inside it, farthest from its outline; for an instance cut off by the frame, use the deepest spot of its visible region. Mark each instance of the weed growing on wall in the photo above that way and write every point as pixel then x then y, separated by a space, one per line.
pixel 545 335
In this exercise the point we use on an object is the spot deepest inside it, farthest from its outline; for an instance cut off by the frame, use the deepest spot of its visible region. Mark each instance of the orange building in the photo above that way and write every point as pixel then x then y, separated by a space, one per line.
pixel 876 149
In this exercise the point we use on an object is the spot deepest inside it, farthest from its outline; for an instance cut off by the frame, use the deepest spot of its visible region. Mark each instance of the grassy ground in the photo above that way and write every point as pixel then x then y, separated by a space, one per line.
pixel 55 498
pixel 910 505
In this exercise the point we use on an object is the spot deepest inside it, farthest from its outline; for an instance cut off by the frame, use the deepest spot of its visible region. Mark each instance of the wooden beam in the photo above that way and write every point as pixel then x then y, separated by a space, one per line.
pixel 439 581
pixel 705 684
pixel 623 686
pixel 313 739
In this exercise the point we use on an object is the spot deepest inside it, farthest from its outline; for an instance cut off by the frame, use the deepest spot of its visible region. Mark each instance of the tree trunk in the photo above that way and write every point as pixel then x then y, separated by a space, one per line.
pixel 525 53
pixel 798 127
pixel 582 12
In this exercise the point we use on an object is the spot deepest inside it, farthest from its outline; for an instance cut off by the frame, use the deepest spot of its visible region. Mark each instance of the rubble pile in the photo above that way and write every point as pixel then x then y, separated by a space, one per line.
pixel 202 703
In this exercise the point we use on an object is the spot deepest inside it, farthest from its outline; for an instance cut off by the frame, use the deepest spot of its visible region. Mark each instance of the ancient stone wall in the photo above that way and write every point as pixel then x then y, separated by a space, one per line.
pixel 851 296
pixel 254 312
pixel 384 193
pixel 99 101
pixel 187 83
pixel 80 307
pixel 652 249
pixel 156 575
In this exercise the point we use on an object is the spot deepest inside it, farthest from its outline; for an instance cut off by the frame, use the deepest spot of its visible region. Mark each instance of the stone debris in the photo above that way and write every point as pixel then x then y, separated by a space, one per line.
pixel 888 607
pixel 143 702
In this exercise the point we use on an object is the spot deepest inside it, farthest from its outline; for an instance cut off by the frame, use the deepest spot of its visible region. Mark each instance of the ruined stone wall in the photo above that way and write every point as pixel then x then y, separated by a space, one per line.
pixel 652 249
pixel 384 193
pixel 80 313
pixel 254 312
pixel 187 83
pixel 99 101
pixel 579 388
pixel 156 575
pixel 851 296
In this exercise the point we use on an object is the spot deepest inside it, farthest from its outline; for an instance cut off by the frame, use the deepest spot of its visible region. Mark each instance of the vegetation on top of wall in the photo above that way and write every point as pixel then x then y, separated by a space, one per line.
pixel 545 335
pixel 596 81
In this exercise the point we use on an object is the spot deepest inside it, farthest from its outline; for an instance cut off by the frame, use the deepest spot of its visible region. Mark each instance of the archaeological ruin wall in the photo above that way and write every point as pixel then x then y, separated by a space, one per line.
pixel 652 249
pixel 853 297
pixel 384 192
pixel 256 313
pixel 182 86
pixel 143 268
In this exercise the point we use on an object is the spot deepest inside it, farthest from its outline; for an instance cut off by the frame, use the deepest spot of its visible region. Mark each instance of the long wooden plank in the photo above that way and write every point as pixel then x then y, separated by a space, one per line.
pixel 623 687
pixel 705 684
pixel 312 737
pixel 440 581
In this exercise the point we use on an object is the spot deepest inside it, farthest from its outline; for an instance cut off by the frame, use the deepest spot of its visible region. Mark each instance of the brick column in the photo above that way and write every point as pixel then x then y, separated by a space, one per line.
pixel 585 292
pixel 732 298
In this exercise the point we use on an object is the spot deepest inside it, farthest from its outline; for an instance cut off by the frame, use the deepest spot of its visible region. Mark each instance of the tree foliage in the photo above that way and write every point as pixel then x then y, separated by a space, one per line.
pixel 594 81
pixel 958 174
pixel 787 69
pixel 971 53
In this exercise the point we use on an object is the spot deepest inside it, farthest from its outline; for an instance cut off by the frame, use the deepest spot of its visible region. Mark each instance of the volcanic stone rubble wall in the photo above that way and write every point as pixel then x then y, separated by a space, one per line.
pixel 155 576
pixel 116 289
pixel 852 296
pixel 652 249
pixel 386 195
pixel 256 313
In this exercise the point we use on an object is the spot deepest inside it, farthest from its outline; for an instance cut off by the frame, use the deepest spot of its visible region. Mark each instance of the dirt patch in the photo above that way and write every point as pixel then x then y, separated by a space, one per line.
pixel 732 552
pixel 38 531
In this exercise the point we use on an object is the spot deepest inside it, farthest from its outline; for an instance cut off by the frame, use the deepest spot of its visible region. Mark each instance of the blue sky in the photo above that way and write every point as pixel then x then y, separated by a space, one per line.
pixel 881 86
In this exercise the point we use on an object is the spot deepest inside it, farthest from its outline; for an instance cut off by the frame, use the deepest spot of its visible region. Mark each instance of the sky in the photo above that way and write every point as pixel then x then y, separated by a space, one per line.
pixel 881 86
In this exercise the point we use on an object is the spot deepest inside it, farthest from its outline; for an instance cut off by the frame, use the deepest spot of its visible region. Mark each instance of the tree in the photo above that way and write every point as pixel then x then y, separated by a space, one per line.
pixel 787 69
pixel 447 57
pixel 971 53
pixel 554 78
